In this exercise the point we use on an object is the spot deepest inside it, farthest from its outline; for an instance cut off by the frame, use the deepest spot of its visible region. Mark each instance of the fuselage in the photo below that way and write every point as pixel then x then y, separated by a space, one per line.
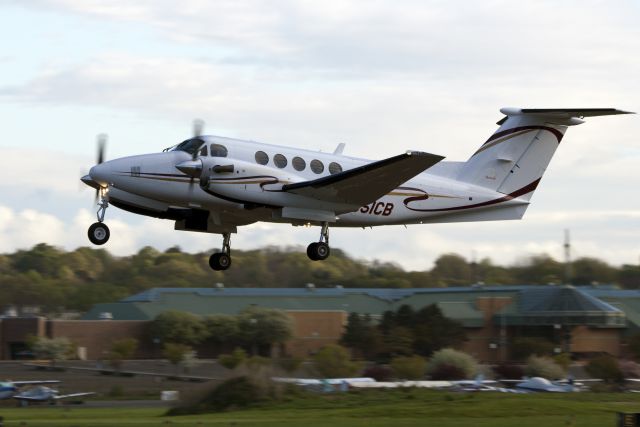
pixel 251 186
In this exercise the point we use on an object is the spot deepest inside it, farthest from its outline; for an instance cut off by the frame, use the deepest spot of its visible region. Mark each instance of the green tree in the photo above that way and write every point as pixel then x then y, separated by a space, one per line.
pixel 223 329
pixel 605 368
pixel 52 349
pixel 544 367
pixel 179 327
pixel 122 350
pixel 452 270
pixel 361 336
pixel 333 361
pixel 259 326
pixel 433 331
pixel 176 353
pixel 408 367
pixel 450 360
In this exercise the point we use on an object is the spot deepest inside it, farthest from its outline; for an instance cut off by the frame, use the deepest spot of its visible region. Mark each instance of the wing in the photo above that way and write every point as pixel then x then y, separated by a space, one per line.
pixel 364 184
pixel 66 396
pixel 23 383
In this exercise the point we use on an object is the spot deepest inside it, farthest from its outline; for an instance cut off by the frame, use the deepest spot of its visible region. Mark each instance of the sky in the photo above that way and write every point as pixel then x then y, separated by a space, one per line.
pixel 382 76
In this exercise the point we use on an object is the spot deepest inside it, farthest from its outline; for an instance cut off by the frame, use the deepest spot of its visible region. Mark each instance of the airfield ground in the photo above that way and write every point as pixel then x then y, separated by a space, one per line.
pixel 371 408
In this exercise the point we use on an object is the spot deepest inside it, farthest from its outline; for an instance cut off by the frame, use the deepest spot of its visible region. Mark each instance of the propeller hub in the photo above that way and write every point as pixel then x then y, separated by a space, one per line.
pixel 193 168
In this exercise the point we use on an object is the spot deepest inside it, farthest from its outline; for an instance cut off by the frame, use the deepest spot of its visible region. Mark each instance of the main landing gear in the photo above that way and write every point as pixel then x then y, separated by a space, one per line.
pixel 99 232
pixel 319 251
pixel 222 260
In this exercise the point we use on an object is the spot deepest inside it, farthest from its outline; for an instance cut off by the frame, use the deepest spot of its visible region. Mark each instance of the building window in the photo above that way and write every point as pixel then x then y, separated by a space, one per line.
pixel 317 166
pixel 298 163
pixel 280 161
pixel 334 168
pixel 262 158
pixel 218 150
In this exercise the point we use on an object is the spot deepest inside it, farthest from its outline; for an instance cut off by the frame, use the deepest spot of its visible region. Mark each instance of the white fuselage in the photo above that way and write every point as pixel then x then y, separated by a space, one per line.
pixel 253 192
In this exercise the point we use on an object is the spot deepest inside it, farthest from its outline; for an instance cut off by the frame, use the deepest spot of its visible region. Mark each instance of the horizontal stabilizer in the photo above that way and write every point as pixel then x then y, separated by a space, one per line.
pixel 365 184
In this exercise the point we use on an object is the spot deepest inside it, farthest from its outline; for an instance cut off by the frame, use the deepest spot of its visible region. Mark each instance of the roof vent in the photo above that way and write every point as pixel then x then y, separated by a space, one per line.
pixel 219 286
pixel 311 287
pixel 105 315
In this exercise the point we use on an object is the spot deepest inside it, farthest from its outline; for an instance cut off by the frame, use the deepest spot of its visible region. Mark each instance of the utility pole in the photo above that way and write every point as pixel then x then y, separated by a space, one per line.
pixel 567 257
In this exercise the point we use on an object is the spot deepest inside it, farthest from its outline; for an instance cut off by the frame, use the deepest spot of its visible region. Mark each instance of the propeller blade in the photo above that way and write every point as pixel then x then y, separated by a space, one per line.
pixel 102 145
pixel 95 198
pixel 198 127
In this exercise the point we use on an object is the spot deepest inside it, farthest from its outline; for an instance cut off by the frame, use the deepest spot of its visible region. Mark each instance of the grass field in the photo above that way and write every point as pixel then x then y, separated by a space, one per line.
pixel 371 408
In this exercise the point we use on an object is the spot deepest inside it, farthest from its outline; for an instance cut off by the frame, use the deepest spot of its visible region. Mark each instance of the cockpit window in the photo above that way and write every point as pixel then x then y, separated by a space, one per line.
pixel 190 146
pixel 203 151
pixel 218 150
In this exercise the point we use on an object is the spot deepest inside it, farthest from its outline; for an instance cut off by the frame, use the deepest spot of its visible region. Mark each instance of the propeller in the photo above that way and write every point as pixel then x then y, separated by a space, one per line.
pixel 194 169
pixel 198 127
pixel 101 145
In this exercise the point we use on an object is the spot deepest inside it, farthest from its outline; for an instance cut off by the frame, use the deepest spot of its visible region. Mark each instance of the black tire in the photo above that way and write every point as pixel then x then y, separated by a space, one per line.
pixel 99 233
pixel 219 261
pixel 311 251
pixel 318 251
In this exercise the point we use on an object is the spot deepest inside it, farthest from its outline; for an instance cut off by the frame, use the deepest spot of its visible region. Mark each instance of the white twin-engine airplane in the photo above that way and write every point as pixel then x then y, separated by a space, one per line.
pixel 214 184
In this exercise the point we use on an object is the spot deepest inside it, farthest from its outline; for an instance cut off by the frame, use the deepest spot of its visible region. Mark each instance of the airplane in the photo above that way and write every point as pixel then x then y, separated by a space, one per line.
pixel 43 394
pixel 9 388
pixel 214 184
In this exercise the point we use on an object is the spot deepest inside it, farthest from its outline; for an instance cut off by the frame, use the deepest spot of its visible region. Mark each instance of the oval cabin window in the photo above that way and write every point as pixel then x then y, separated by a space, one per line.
pixel 317 166
pixel 334 168
pixel 262 158
pixel 298 163
pixel 280 161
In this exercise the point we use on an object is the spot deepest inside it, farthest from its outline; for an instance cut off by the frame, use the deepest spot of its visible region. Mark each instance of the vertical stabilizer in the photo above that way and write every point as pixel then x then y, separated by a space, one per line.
pixel 513 160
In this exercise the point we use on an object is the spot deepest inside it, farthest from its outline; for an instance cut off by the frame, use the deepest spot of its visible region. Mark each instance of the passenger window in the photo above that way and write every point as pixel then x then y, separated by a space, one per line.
pixel 317 166
pixel 218 150
pixel 203 151
pixel 298 163
pixel 262 158
pixel 334 168
pixel 280 161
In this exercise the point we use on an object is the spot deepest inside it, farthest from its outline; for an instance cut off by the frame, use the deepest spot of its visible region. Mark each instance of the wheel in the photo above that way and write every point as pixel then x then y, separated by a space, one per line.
pixel 99 233
pixel 318 251
pixel 219 261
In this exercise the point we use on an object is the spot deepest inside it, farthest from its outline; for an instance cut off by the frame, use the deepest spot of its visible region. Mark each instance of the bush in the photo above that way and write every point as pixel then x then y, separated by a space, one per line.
pixel 333 361
pixel 450 362
pixel 446 372
pixel 629 368
pixel 378 372
pixel 289 365
pixel 238 392
pixel 233 360
pixel 116 391
pixel 508 372
pixel 606 368
pixel 563 359
pixel 524 347
pixel 543 367
pixel 409 367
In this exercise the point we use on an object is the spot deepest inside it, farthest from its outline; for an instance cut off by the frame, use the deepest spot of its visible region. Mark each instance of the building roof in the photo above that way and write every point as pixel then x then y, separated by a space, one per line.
pixel 533 305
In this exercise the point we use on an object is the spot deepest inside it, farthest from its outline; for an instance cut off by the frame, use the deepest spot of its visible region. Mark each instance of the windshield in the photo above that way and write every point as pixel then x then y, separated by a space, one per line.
pixel 190 146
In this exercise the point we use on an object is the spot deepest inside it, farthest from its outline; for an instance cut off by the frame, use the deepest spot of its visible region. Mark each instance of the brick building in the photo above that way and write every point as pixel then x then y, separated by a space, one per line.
pixel 580 320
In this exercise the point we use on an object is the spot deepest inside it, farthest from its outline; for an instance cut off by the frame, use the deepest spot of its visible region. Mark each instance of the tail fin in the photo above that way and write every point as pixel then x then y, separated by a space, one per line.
pixel 513 160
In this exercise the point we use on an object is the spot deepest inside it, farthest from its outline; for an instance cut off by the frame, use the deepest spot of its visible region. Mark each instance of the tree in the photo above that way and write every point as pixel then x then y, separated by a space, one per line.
pixel 433 331
pixel 408 367
pixel 121 350
pixel 176 353
pixel 52 349
pixel 452 270
pixel 222 329
pixel 260 326
pixel 524 347
pixel 332 361
pixel 450 364
pixel 605 368
pixel 544 367
pixel 361 336
pixel 179 327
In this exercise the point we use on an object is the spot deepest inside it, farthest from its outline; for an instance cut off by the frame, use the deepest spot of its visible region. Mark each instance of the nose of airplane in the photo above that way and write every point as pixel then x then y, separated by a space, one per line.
pixel 101 173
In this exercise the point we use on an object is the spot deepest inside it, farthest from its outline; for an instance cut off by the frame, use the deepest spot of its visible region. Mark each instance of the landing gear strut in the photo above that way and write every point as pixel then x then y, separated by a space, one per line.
pixel 319 251
pixel 222 260
pixel 99 232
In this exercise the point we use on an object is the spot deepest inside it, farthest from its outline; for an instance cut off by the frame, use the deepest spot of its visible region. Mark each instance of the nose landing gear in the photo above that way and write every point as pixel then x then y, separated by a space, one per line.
pixel 98 231
pixel 319 251
pixel 222 260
